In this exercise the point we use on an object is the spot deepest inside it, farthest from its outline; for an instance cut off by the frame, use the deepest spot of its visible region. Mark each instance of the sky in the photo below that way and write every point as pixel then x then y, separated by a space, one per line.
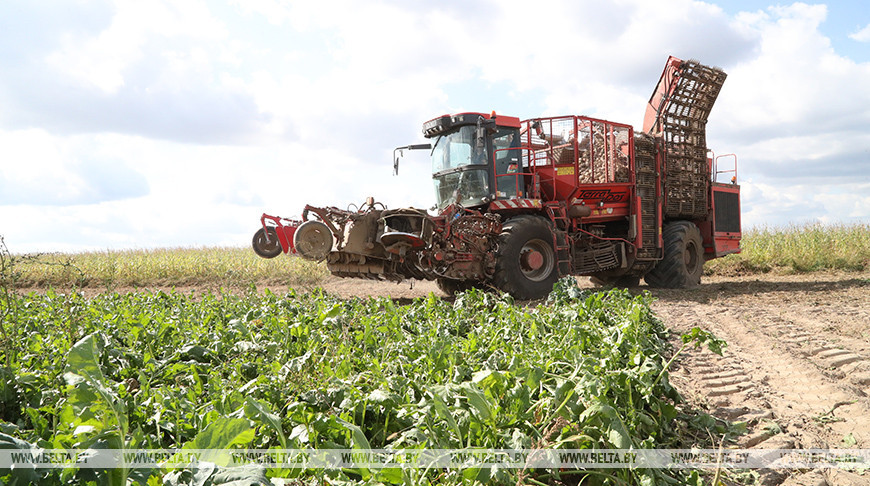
pixel 134 125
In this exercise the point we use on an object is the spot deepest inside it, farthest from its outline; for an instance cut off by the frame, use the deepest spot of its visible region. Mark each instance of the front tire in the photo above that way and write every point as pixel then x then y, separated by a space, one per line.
pixel 526 260
pixel 264 248
pixel 683 262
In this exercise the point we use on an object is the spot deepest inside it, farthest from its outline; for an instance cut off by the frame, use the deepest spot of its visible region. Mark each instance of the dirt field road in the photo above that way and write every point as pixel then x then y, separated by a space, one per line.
pixel 796 369
pixel 797 365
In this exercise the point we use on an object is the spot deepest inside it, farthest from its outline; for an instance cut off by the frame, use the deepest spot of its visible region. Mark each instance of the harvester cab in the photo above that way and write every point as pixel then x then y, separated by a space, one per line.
pixel 471 156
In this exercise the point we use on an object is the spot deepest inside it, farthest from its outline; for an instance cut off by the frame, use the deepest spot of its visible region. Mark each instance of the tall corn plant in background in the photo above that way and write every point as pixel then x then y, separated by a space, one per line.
pixel 8 276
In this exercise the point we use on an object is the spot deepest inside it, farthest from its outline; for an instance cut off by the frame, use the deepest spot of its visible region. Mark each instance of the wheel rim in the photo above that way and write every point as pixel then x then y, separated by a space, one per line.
pixel 537 260
pixel 267 246
pixel 313 240
pixel 690 257
pixel 270 247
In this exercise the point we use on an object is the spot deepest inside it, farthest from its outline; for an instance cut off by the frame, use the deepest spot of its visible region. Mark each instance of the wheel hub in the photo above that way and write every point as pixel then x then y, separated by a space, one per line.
pixel 531 260
pixel 537 260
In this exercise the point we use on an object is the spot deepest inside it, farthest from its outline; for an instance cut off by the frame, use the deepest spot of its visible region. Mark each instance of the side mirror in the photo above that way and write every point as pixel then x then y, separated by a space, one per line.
pixel 400 150
pixel 484 127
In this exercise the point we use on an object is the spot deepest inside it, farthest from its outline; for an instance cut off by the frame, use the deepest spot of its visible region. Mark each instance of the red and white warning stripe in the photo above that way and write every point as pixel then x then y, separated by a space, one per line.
pixel 515 204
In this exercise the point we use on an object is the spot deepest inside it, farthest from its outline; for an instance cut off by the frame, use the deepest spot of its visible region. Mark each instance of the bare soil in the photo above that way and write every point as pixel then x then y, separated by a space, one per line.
pixel 796 369
pixel 797 365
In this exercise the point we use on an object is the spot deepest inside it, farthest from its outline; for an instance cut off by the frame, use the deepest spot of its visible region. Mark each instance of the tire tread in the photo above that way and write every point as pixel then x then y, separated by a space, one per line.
pixel 671 272
pixel 505 277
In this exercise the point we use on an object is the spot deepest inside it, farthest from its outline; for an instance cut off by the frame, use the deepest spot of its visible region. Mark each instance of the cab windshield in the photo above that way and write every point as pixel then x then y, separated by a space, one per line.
pixel 459 166
pixel 457 149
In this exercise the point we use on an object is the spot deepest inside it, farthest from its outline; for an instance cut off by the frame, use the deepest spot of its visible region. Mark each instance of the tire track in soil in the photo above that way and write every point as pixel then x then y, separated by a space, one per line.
pixel 797 374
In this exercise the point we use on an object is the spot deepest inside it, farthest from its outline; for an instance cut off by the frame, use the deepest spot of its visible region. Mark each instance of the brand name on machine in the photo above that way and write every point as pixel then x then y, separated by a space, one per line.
pixel 604 194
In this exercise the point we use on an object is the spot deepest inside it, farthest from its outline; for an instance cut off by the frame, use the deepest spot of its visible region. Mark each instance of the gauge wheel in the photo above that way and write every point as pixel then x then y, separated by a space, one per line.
pixel 313 240
pixel 267 248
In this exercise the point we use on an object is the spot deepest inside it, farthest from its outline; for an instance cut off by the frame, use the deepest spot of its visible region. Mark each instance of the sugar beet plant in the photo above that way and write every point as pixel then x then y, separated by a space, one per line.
pixel 310 371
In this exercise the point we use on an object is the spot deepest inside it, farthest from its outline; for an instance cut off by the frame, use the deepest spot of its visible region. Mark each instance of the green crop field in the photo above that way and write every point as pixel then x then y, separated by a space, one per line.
pixel 143 370
pixel 231 368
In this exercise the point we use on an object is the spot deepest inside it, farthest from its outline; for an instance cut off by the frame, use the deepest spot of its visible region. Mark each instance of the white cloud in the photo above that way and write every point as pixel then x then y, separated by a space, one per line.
pixel 51 171
pixel 862 35
pixel 101 61
pixel 212 195
pixel 161 69
pixel 796 115
pixel 797 84
pixel 228 111
pixel 766 204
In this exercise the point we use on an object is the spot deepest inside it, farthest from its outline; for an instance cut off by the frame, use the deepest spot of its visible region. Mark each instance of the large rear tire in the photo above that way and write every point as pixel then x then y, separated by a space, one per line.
pixel 266 249
pixel 525 264
pixel 683 262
